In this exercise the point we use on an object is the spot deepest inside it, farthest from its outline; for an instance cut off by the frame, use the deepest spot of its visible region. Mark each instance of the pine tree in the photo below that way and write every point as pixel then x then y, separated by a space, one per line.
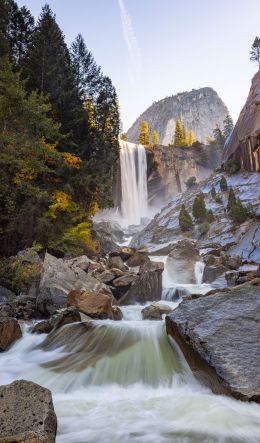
pixel 191 137
pixel 184 136
pixel 199 210
pixel 231 199
pixel 87 73
pixel 237 212
pixel 218 135
pixel 228 126
pixel 155 138
pixel 255 51
pixel 49 70
pixel 4 21
pixel 178 135
pixel 185 221
pixel 144 134
pixel 223 184
pixel 213 192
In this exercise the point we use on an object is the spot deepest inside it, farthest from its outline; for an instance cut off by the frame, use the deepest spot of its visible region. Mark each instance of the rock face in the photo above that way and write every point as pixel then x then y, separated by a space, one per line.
pixel 244 143
pixel 59 277
pixel 155 311
pixel 26 414
pixel 10 331
pixel 168 169
pixel 199 109
pixel 244 241
pixel 219 336
pixel 61 318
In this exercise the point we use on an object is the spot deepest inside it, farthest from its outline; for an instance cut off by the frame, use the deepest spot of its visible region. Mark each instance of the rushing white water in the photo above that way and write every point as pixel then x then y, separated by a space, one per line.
pixel 122 382
pixel 133 166
pixel 199 269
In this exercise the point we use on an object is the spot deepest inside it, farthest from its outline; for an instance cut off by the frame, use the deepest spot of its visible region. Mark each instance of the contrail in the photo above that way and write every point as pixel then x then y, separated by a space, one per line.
pixel 134 53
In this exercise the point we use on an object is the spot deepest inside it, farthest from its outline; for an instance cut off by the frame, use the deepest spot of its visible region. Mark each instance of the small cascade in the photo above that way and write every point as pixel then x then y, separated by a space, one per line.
pixel 199 270
pixel 133 165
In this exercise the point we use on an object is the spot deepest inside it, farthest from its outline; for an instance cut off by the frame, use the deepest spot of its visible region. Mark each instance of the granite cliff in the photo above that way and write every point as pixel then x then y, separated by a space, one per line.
pixel 200 109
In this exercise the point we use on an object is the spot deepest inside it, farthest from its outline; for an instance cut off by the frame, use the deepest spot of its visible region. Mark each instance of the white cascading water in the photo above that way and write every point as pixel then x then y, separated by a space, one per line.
pixel 133 166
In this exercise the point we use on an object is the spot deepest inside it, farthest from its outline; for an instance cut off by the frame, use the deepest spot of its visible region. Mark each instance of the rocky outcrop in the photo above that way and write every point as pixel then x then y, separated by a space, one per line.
pixel 237 240
pixel 243 145
pixel 26 414
pixel 147 286
pixel 10 331
pixel 107 235
pixel 219 336
pixel 59 277
pixel 169 169
pixel 94 304
pixel 199 109
pixel 61 318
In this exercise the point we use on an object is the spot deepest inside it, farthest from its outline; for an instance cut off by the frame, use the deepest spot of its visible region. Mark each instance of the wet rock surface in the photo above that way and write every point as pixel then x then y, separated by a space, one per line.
pixel 10 331
pixel 61 318
pixel 219 335
pixel 181 261
pixel 155 311
pixel 26 414
pixel 94 304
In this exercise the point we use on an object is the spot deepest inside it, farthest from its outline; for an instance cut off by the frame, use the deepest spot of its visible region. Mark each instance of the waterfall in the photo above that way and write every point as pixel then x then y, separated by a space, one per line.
pixel 133 165
pixel 199 270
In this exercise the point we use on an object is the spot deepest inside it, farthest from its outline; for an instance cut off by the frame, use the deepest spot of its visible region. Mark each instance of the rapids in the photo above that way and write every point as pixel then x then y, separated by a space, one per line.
pixel 125 382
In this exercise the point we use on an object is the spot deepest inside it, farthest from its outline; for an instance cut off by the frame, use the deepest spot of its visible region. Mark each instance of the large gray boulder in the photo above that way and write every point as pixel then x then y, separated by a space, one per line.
pixel 219 335
pixel 147 286
pixel 58 278
pixel 26 414
pixel 181 262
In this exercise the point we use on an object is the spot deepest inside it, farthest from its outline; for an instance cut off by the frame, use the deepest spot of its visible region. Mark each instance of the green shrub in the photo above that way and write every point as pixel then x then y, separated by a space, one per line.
pixel 213 192
pixel 203 228
pixel 199 210
pixel 250 211
pixel 210 216
pixel 237 212
pixel 231 199
pixel 231 166
pixel 191 182
pixel 223 184
pixel 16 275
pixel 185 221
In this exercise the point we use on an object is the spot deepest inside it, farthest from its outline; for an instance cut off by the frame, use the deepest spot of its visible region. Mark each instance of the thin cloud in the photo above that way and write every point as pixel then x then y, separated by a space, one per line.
pixel 134 53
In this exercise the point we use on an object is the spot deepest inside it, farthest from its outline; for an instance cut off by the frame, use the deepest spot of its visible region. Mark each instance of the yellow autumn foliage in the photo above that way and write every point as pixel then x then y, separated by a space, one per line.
pixel 26 173
pixel 82 233
pixel 62 202
pixel 72 160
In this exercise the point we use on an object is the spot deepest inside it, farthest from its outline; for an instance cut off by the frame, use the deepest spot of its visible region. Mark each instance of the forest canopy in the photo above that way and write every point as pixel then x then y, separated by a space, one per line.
pixel 59 129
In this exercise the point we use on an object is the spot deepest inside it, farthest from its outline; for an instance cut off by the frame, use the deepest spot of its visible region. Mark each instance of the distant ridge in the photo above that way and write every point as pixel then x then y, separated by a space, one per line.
pixel 200 109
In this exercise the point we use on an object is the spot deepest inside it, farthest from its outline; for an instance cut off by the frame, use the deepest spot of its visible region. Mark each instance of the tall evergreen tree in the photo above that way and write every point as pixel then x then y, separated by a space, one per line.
pixel 87 73
pixel 255 51
pixel 178 135
pixel 49 71
pixel 4 20
pixel 218 135
pixel 199 210
pixel 228 126
pixel 144 134
pixel 191 137
pixel 184 136
pixel 155 138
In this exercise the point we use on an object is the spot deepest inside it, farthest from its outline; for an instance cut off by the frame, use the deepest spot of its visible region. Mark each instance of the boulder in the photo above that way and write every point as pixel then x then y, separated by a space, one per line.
pixel 234 262
pixel 107 235
pixel 137 259
pixel 29 256
pixel 61 318
pixel 155 311
pixel 117 313
pixel 211 273
pixel 105 276
pixel 58 278
pixel 94 304
pixel 10 331
pixel 147 286
pixel 219 336
pixel 26 414
pixel 125 280
pixel 232 277
pixel 126 252
pixel 181 262
pixel 116 262
pixel 6 295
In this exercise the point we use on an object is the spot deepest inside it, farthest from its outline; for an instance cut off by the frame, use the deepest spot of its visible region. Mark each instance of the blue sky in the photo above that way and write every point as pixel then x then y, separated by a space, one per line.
pixel 155 48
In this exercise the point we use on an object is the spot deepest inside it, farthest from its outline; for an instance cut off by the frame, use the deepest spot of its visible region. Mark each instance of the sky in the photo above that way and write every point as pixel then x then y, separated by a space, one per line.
pixel 156 48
